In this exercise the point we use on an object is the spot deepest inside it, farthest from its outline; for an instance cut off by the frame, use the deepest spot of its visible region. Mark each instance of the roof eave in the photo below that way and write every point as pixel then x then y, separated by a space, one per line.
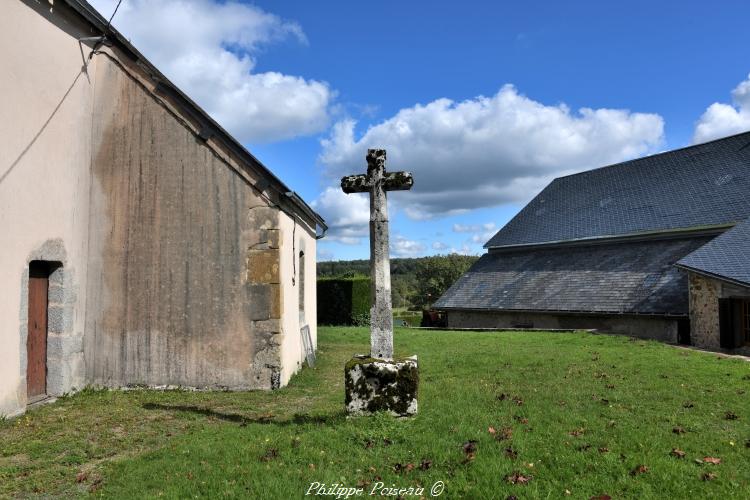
pixel 561 311
pixel 709 274
pixel 662 234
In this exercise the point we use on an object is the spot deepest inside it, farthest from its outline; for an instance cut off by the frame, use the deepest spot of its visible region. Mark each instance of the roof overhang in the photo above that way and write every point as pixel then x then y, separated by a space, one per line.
pixel 563 312
pixel 714 276
pixel 661 234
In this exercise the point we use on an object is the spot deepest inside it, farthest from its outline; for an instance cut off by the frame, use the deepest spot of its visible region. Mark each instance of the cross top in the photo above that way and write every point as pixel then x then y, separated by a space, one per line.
pixel 376 182
pixel 376 175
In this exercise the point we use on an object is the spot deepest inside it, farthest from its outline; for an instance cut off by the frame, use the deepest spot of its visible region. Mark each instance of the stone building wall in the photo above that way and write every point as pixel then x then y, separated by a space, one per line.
pixel 656 328
pixel 46 103
pixel 704 294
pixel 169 245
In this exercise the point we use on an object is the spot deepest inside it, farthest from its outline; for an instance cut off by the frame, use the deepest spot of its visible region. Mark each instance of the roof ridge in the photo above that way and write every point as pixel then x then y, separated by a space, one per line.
pixel 661 153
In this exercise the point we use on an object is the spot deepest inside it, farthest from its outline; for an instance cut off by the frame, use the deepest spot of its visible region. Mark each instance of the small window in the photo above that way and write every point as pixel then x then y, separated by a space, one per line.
pixel 301 283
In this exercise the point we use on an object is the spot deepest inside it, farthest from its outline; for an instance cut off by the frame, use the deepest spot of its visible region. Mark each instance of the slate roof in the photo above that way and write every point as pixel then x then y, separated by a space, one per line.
pixel 633 278
pixel 727 256
pixel 703 185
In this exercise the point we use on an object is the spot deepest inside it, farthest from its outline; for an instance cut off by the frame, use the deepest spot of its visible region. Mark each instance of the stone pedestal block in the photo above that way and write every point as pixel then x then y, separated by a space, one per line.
pixel 374 385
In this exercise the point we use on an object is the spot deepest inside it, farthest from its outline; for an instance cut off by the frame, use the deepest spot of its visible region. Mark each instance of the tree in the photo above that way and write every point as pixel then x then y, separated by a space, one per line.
pixel 434 275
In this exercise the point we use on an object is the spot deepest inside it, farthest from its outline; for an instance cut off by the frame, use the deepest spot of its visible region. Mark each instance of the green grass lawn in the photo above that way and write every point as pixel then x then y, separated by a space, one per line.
pixel 561 413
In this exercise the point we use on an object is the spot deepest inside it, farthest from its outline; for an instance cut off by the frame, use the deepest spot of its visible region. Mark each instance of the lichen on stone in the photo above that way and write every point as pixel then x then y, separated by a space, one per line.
pixel 373 385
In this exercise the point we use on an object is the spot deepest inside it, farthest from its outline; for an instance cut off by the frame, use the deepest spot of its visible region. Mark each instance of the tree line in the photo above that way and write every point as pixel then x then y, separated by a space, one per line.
pixel 416 283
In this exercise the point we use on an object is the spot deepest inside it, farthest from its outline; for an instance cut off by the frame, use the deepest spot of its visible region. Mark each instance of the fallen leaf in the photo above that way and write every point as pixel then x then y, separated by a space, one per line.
pixel 505 433
pixel 518 401
pixel 502 397
pixel 679 430
pixel 470 450
pixel 81 477
pixel 492 430
pixel 687 404
pixel 640 469
pixel 511 453
pixel 369 444
pixel 577 432
pixel 711 460
pixel 521 420
pixel 409 467
pixel 426 464
pixel 603 449
pixel 371 469
pixel 518 478
pixel 676 452
pixel 387 442
pixel 708 476
pixel 271 453
pixel 730 415
pixel 311 466
pixel 568 493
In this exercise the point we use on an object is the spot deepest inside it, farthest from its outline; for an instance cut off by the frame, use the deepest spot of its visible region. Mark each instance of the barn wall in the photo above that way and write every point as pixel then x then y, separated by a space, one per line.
pixel 45 99
pixel 184 253
pixel 662 329
pixel 704 308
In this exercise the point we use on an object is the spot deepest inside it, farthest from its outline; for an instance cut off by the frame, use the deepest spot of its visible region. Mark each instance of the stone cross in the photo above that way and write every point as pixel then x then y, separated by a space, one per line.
pixel 377 182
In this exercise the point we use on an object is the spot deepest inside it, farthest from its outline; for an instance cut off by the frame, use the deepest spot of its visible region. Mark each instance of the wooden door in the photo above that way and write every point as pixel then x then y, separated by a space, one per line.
pixel 36 343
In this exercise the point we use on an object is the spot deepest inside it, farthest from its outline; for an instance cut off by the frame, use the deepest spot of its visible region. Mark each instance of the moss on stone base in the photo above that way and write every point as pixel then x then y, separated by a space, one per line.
pixel 373 385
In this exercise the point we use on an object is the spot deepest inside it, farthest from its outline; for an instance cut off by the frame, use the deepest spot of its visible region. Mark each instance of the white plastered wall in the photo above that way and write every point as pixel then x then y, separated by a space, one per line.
pixel 45 100
pixel 296 237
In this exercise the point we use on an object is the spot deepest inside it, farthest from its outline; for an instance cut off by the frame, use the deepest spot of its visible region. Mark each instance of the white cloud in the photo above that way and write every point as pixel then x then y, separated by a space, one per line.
pixel 403 247
pixel 439 245
pixel 488 151
pixel 720 120
pixel 209 48
pixel 464 250
pixel 347 215
pixel 473 228
pixel 481 232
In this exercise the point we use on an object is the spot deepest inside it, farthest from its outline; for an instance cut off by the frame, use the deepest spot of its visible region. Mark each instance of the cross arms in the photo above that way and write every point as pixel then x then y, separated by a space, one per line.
pixel 391 181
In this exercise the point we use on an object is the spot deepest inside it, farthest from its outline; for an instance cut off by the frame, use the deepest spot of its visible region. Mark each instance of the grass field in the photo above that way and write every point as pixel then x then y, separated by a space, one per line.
pixel 533 415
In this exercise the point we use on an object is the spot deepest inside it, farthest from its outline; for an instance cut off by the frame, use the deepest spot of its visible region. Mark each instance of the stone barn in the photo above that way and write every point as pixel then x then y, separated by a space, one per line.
pixel 141 243
pixel 657 247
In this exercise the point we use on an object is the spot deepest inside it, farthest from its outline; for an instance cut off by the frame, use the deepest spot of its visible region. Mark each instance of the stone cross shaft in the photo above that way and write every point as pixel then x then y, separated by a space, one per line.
pixel 377 182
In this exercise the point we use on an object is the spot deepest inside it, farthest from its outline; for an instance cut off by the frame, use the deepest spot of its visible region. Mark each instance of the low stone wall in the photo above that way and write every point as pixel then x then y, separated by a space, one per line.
pixel 656 328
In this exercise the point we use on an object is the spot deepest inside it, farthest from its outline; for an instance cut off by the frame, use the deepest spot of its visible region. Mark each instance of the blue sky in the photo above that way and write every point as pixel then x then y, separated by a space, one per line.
pixel 481 100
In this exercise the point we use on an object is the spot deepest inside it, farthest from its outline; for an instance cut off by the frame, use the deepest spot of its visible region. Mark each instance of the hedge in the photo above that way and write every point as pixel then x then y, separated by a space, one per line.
pixel 343 301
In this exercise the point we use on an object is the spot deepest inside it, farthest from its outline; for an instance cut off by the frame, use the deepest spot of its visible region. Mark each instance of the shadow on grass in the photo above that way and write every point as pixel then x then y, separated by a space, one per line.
pixel 244 420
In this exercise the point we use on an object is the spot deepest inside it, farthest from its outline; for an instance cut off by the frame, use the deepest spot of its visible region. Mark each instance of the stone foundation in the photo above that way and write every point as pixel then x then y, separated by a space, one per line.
pixel 373 385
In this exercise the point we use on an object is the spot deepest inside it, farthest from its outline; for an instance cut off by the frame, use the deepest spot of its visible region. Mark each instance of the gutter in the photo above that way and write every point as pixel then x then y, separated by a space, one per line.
pixel 564 312
pixel 709 274
pixel 660 234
